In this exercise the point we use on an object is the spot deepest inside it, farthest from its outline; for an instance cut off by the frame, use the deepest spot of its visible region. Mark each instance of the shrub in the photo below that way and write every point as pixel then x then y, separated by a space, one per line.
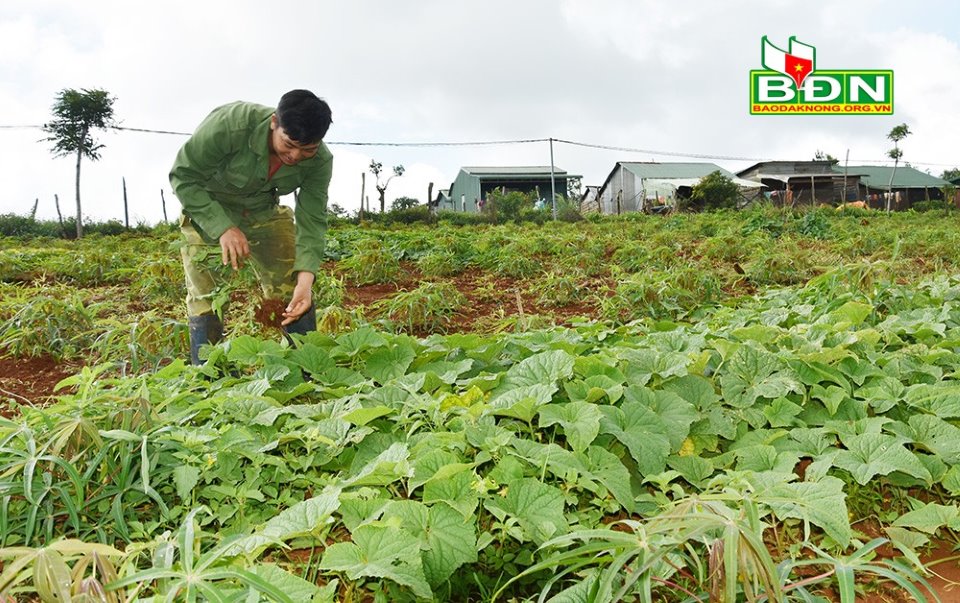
pixel 428 308
pixel 931 205
pixel 461 218
pixel 371 264
pixel 714 191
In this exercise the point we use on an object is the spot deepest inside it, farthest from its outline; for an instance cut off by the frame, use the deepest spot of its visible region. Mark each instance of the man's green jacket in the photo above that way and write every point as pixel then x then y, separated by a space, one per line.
pixel 220 178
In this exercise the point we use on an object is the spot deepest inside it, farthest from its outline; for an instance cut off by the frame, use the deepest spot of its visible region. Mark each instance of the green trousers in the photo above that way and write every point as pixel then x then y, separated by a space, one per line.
pixel 272 238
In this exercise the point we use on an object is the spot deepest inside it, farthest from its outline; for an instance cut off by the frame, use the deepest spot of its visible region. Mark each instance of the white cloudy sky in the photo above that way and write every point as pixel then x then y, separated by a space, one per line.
pixel 669 77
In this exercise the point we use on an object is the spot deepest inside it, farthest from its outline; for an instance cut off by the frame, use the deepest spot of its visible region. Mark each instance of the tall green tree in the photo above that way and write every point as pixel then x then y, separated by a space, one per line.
pixel 376 168
pixel 76 115
pixel 401 203
pixel 950 174
pixel 897 134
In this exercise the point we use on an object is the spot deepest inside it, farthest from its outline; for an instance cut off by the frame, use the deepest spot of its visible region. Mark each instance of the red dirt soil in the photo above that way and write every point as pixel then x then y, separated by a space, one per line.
pixel 270 312
pixel 30 380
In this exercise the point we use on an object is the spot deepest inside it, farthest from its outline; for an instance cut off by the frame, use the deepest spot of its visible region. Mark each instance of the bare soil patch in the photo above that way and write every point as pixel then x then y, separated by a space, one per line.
pixel 30 380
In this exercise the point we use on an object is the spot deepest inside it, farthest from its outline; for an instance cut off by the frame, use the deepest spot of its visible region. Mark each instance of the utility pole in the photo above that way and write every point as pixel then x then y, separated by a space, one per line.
pixel 553 183
pixel 363 189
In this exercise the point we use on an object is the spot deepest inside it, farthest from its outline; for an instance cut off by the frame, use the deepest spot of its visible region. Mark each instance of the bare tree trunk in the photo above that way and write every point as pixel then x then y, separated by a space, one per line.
pixel 383 198
pixel 163 203
pixel 890 185
pixel 56 202
pixel 33 212
pixel 79 212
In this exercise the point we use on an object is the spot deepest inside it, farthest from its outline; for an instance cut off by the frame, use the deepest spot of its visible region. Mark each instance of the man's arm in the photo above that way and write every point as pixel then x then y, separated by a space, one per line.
pixel 194 166
pixel 311 217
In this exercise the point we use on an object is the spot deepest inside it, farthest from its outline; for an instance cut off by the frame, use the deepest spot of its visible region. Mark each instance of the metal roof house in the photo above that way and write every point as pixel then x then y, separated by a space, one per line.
pixel 805 182
pixel 634 186
pixel 909 185
pixel 473 184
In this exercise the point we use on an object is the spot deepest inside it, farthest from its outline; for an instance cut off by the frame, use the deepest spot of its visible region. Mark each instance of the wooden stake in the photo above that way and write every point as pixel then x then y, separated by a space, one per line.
pixel 56 202
pixel 126 212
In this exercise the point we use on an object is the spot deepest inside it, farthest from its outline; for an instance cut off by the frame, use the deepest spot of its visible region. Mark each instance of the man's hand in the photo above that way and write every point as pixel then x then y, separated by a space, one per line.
pixel 234 247
pixel 302 298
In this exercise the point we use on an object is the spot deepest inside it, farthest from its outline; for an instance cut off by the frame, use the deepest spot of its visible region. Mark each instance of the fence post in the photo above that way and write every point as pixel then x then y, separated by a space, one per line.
pixel 56 202
pixel 126 212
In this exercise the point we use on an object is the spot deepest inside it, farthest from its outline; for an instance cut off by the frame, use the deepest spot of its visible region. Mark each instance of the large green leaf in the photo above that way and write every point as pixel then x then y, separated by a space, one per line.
pixel 610 471
pixel 766 458
pixel 389 466
pixel 930 517
pixel 696 390
pixel 696 470
pixel 449 539
pixel 782 413
pixel 594 389
pixel 580 422
pixel 751 374
pixel 641 431
pixel 538 508
pixel 676 413
pixel 446 372
pixel 942 400
pixel 312 359
pixel 303 518
pixel 850 314
pixel 640 366
pixel 822 503
pixel 185 478
pixel 951 481
pixel 817 373
pixel 934 434
pixel 389 362
pixel 545 368
pixel 379 551
pixel 354 342
pixel 455 490
pixel 522 402
pixel 873 454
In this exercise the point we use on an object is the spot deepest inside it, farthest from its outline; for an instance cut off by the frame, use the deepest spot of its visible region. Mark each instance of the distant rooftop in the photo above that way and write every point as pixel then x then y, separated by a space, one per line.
pixel 529 171
pixel 674 170
pixel 906 176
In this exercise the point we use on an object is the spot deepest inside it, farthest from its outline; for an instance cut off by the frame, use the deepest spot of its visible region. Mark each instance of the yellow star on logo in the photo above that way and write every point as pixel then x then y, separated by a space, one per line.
pixel 799 68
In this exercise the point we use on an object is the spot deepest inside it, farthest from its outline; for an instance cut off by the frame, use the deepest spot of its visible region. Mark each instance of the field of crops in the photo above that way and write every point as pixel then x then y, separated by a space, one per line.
pixel 762 405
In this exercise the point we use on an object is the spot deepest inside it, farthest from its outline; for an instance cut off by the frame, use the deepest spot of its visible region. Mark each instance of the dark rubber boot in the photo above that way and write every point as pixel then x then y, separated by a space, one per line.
pixel 304 324
pixel 206 328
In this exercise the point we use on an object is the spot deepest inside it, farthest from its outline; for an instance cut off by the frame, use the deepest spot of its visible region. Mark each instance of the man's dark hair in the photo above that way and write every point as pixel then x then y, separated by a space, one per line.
pixel 303 116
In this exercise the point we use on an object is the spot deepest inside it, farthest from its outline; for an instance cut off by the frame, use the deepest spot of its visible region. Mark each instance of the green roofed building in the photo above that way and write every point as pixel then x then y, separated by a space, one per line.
pixel 638 186
pixel 473 184
pixel 909 185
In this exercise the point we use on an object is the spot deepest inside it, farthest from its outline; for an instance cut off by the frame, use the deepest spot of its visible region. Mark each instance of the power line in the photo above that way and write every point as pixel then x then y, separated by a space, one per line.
pixel 474 143
pixel 663 153
pixel 509 142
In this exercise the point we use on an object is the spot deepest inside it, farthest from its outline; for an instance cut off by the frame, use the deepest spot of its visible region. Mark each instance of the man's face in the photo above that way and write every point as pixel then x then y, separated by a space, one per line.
pixel 289 151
